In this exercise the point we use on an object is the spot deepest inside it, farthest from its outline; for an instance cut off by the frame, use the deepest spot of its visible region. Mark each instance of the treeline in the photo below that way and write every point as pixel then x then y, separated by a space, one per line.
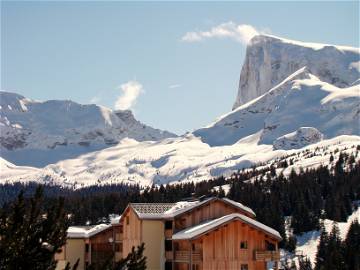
pixel 306 196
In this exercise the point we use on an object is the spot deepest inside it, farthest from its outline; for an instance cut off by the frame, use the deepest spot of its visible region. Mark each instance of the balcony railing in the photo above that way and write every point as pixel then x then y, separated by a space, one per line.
pixel 184 256
pixel 267 255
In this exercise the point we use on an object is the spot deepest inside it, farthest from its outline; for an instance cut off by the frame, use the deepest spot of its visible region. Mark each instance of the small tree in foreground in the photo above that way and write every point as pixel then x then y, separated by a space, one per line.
pixel 31 236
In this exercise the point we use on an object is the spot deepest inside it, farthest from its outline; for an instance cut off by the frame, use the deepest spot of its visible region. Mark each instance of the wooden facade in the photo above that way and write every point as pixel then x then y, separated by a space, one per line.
pixel 234 245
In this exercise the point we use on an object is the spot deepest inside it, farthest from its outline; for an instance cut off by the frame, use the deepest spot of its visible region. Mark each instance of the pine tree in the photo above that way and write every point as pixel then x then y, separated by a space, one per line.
pixel 335 259
pixel 305 264
pixel 352 246
pixel 135 260
pixel 30 236
pixel 321 255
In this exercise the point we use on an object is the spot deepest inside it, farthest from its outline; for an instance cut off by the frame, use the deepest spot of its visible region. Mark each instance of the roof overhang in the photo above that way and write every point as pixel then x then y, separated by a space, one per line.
pixel 201 229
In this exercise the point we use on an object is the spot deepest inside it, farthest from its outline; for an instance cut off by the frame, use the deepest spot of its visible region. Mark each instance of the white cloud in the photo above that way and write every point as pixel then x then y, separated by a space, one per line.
pixel 174 86
pixel 130 92
pixel 95 100
pixel 240 32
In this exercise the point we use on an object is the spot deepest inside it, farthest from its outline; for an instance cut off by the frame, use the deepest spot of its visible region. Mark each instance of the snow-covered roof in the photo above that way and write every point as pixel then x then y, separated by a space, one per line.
pixel 202 228
pixel 171 210
pixel 85 231
pixel 115 219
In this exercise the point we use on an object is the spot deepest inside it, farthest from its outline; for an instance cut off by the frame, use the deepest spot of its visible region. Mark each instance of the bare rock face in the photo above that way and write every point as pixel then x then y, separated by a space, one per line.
pixel 269 60
pixel 300 138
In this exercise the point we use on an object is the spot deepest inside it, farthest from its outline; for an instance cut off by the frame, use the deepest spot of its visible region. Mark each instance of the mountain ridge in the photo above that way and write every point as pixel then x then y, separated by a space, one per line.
pixel 64 126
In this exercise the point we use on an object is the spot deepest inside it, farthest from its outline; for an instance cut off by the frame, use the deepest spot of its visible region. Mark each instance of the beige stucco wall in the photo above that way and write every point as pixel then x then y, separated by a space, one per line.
pixel 74 249
pixel 153 237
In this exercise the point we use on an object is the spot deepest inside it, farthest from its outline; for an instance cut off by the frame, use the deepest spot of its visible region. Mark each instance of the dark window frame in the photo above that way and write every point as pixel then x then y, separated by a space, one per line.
pixel 168 224
pixel 168 245
pixel 243 245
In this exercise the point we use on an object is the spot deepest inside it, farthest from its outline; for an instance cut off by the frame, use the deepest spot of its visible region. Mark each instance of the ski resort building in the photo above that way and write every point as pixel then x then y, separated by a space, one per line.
pixel 213 233
pixel 89 244
pixel 205 234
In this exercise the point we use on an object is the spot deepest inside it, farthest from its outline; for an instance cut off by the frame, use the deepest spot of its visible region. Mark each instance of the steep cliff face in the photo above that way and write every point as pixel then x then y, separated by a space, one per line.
pixel 64 126
pixel 301 100
pixel 269 60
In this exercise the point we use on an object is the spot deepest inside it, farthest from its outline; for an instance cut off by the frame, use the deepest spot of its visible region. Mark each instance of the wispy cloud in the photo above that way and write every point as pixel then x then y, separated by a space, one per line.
pixel 239 32
pixel 130 92
pixel 95 100
pixel 172 86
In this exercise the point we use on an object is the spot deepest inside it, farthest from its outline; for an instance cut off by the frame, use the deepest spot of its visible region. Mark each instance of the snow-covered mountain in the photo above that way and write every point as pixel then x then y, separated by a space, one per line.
pixel 304 98
pixel 269 60
pixel 173 160
pixel 301 100
pixel 39 133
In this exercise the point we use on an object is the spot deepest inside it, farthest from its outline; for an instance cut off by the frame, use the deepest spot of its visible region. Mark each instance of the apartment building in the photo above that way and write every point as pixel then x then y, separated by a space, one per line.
pixel 213 233
pixel 204 234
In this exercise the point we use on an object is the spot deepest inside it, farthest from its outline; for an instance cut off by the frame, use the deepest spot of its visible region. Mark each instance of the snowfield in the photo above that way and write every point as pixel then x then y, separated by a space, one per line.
pixel 173 160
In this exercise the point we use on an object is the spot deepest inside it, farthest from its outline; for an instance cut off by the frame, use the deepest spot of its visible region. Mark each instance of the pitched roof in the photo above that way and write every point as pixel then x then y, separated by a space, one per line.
pixel 205 227
pixel 171 210
pixel 85 231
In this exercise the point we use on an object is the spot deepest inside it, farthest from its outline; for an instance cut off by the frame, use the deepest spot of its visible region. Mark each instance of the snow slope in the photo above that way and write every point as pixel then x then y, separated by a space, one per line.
pixel 269 60
pixel 301 100
pixel 58 129
pixel 173 160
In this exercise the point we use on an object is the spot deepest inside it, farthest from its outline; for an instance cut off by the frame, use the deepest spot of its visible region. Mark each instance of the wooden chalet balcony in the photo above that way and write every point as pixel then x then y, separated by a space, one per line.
pixel 267 255
pixel 184 256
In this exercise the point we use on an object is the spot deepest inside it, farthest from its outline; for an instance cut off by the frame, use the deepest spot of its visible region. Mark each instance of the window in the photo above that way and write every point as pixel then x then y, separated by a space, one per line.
pixel 244 267
pixel 118 247
pixel 243 245
pixel 195 267
pixel 269 246
pixel 86 247
pixel 127 221
pixel 168 265
pixel 168 225
pixel 168 245
pixel 121 229
pixel 193 246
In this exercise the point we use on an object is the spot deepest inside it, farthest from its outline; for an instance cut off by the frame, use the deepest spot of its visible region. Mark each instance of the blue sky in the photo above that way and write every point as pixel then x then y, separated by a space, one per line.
pixel 89 51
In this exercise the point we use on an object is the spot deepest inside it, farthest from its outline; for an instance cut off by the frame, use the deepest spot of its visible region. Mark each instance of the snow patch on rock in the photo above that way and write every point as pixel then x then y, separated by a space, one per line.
pixel 300 138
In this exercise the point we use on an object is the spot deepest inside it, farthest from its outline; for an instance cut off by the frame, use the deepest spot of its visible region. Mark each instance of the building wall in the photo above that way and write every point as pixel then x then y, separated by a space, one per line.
pixel 154 239
pixel 131 232
pixel 101 247
pixel 221 248
pixel 73 250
